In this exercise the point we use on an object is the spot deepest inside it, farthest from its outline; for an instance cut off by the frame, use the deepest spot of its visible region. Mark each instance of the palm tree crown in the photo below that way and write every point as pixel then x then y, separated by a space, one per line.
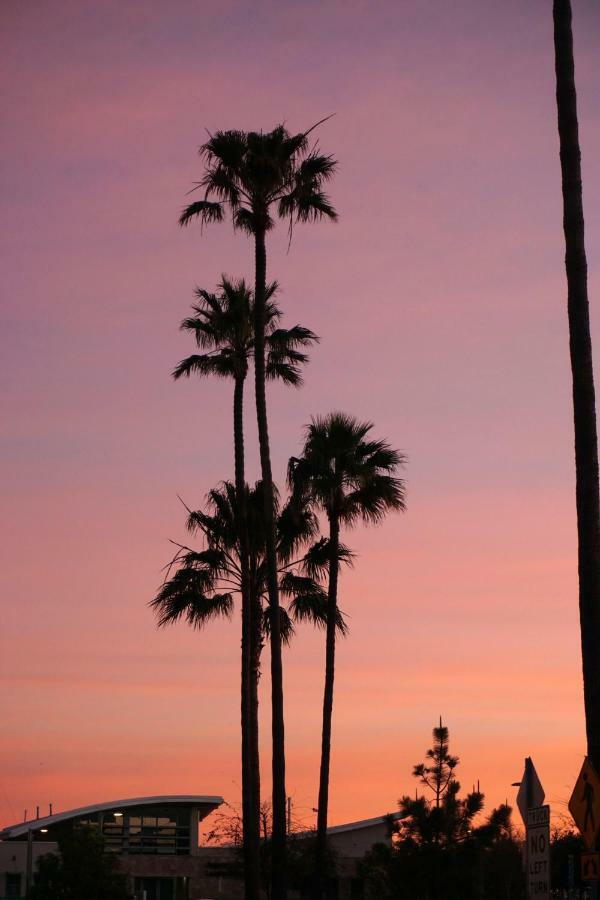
pixel 205 582
pixel 252 172
pixel 346 473
pixel 223 326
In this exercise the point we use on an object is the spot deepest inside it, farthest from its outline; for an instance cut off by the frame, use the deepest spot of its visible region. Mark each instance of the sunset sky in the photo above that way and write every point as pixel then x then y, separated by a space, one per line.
pixel 439 297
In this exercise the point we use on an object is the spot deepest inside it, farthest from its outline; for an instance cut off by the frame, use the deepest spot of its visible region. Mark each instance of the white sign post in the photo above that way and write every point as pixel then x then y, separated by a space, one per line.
pixel 538 853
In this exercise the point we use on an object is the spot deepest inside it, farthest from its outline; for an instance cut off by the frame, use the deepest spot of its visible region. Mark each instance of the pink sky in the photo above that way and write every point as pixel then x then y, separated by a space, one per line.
pixel 440 301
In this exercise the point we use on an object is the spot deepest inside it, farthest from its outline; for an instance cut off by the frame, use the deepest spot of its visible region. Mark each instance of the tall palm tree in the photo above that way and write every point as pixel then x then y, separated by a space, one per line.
pixel 351 478
pixel 223 326
pixel 261 176
pixel 584 400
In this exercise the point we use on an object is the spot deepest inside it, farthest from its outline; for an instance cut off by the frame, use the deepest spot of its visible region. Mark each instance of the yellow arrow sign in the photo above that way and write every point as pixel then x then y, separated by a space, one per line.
pixel 584 804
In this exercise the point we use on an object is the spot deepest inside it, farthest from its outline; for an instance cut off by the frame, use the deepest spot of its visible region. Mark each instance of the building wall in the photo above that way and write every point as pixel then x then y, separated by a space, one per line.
pixel 355 843
pixel 201 870
pixel 13 859
pixel 201 886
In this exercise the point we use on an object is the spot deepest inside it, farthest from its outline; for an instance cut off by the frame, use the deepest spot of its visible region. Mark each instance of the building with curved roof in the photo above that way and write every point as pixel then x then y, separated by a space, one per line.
pixel 156 839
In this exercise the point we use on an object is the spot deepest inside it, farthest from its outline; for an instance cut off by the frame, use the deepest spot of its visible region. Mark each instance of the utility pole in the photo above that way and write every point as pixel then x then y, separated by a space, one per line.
pixel 29 862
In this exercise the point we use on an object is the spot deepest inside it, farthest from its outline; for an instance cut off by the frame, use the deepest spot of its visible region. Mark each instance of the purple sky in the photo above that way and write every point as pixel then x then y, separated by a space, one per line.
pixel 440 300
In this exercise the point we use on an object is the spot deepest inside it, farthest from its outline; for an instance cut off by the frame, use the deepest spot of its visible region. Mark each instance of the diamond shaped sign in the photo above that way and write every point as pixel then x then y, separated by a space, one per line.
pixel 584 804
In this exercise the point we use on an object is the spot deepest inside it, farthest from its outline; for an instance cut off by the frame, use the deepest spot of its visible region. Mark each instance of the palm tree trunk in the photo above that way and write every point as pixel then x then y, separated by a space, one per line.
pixel 250 801
pixel 278 841
pixel 584 402
pixel 256 651
pixel 323 805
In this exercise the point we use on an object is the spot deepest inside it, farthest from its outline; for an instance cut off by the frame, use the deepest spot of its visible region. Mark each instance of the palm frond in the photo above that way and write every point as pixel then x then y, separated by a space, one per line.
pixel 317 558
pixel 221 364
pixel 292 145
pixel 291 584
pixel 219 525
pixel 221 182
pixel 244 220
pixel 286 626
pixel 310 602
pixel 290 338
pixel 212 561
pixel 204 210
pixel 184 596
pixel 223 502
pixel 316 168
pixel 270 290
pixel 297 524
pixel 288 355
pixel 227 148
pixel 283 360
pixel 379 455
pixel 371 501
pixel 320 122
pixel 198 521
pixel 237 294
pixel 205 331
pixel 208 299
pixel 275 370
pixel 306 205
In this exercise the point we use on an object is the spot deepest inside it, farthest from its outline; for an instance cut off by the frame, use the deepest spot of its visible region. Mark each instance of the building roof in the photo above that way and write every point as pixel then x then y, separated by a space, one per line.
pixel 354 826
pixel 22 828
pixel 363 823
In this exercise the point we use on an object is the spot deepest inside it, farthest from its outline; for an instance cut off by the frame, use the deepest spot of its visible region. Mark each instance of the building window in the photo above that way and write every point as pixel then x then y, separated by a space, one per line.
pixel 155 830
pixel 13 884
pixel 160 888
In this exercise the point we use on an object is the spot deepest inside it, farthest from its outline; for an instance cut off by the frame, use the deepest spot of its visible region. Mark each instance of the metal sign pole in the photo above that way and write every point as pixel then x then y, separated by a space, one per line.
pixel 529 802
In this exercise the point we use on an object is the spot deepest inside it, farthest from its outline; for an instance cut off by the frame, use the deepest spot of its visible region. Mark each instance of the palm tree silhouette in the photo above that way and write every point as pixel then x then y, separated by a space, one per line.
pixel 584 399
pixel 223 326
pixel 261 176
pixel 351 478
pixel 206 581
